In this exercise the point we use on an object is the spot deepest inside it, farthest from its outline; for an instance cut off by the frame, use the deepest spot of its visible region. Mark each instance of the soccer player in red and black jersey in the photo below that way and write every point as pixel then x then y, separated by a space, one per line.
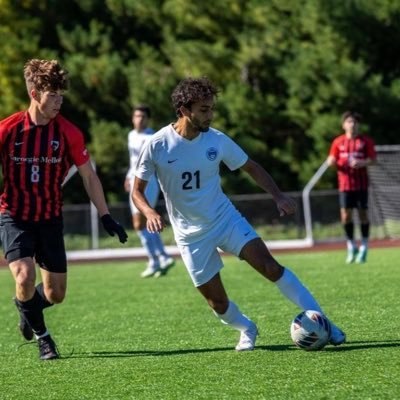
pixel 37 148
pixel 351 153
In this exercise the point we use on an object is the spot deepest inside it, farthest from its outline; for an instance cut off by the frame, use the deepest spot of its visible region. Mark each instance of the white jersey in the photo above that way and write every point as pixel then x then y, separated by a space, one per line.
pixel 188 173
pixel 136 141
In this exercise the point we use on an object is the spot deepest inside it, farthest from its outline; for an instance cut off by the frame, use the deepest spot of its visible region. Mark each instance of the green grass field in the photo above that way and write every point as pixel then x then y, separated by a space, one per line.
pixel 122 337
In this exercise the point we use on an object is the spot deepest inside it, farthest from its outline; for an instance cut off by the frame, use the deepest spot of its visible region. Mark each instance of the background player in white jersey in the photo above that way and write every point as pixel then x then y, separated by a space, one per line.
pixel 186 156
pixel 159 260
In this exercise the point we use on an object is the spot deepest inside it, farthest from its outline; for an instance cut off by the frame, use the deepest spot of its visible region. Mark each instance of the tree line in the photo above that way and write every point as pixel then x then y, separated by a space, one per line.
pixel 286 69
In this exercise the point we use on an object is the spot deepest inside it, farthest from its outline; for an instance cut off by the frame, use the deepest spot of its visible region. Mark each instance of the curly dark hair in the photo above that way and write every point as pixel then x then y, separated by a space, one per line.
pixel 45 75
pixel 347 114
pixel 192 90
pixel 142 107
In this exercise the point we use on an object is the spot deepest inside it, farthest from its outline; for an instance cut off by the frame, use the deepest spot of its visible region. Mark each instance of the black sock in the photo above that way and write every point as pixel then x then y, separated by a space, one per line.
pixel 44 302
pixel 365 230
pixel 349 230
pixel 33 313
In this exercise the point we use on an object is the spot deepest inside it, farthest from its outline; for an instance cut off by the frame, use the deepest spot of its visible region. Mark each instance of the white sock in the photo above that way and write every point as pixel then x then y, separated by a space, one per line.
pixel 234 318
pixel 43 335
pixel 351 245
pixel 364 244
pixel 159 245
pixel 293 289
pixel 147 241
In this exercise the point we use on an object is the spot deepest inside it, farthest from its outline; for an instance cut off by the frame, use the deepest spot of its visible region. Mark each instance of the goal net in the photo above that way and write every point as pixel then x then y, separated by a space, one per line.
pixel 385 190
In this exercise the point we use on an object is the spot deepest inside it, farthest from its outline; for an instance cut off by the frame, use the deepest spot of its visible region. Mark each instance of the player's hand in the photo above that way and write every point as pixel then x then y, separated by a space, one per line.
pixel 154 222
pixel 112 227
pixel 357 163
pixel 286 205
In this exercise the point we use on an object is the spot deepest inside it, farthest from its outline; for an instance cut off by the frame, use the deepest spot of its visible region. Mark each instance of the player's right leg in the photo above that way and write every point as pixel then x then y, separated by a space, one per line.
pixel 147 241
pixel 24 274
pixel 229 314
pixel 347 203
pixel 17 239
pixel 30 303
pixel 348 227
pixel 21 241
pixel 203 263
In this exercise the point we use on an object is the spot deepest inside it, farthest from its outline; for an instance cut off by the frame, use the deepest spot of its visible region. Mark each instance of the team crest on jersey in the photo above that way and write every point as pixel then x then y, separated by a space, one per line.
pixel 55 144
pixel 212 153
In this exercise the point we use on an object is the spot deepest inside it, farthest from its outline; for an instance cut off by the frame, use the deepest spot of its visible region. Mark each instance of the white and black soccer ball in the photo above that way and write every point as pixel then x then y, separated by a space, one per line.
pixel 310 330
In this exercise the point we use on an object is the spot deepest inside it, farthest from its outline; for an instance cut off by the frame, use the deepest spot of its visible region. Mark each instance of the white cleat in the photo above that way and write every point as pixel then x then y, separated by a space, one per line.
pixel 165 264
pixel 338 337
pixel 247 339
pixel 351 256
pixel 361 256
pixel 151 270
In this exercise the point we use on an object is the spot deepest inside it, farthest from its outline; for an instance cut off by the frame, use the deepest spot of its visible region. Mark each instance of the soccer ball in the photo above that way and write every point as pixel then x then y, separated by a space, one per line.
pixel 310 330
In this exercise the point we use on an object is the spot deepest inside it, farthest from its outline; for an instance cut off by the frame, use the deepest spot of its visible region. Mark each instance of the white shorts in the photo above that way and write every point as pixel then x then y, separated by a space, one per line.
pixel 152 192
pixel 202 259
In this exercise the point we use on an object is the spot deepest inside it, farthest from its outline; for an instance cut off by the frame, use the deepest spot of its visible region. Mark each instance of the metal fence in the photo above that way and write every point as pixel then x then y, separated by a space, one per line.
pixel 259 209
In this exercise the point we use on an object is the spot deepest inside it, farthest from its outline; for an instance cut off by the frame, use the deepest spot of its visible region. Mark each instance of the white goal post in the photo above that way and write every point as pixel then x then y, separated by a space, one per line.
pixel 384 192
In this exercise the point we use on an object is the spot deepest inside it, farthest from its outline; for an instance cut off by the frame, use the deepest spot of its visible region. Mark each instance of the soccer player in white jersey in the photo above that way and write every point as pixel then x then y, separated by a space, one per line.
pixel 159 260
pixel 186 157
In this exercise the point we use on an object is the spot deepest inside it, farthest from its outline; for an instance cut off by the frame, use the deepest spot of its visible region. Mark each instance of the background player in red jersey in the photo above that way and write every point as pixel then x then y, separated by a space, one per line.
pixel 37 148
pixel 351 153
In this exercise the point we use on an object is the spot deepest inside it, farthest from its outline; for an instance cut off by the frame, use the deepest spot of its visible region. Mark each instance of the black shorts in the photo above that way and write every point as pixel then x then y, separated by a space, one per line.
pixel 42 240
pixel 356 199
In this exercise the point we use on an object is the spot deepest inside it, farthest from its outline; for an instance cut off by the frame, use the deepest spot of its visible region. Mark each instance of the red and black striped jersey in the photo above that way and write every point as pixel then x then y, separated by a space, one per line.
pixel 343 149
pixel 35 160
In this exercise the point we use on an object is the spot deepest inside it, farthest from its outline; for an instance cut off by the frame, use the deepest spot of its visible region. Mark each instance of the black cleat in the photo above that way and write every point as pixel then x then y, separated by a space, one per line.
pixel 24 327
pixel 47 348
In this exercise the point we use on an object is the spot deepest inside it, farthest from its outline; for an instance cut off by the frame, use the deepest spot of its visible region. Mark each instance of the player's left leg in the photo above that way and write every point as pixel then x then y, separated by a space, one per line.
pixel 166 261
pixel 159 259
pixel 148 243
pixel 50 291
pixel 256 253
pixel 258 256
pixel 51 257
pixel 365 226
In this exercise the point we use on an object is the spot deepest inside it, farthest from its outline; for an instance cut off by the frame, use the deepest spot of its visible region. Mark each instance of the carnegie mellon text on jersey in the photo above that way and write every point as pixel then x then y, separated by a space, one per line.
pixel 35 160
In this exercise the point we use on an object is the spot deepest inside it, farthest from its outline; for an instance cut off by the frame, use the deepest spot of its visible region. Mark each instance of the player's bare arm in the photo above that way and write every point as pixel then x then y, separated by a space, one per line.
pixel 93 187
pixel 127 185
pixel 154 221
pixel 285 204
pixel 331 161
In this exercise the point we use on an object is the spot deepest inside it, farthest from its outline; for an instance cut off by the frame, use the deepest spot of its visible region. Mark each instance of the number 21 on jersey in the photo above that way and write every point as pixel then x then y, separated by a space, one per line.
pixel 191 180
